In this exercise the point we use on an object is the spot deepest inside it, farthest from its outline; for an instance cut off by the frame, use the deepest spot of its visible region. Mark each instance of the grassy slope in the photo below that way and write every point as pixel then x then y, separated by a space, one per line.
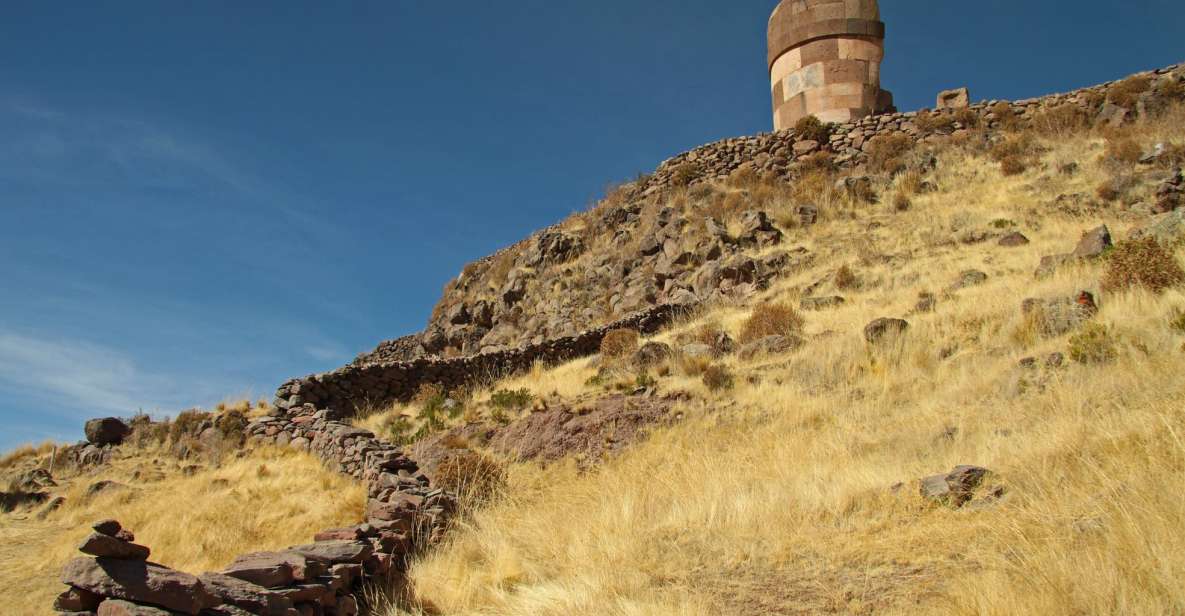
pixel 775 497
pixel 265 499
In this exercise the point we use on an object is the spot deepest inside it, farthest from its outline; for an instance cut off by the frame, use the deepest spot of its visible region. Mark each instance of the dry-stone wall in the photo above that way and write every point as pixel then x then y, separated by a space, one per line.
pixel 374 380
pixel 849 142
pixel 326 577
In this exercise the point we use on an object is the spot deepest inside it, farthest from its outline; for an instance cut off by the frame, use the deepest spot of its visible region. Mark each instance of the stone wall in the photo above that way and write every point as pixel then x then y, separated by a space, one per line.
pixel 376 380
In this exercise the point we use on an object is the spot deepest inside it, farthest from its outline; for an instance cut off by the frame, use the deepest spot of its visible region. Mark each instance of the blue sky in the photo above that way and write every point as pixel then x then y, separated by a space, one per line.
pixel 199 200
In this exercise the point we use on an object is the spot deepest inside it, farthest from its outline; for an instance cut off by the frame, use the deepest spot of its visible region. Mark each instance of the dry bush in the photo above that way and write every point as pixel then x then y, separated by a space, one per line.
pixel 1095 344
pixel 426 393
pixel 717 378
pixel 473 477
pixel 684 174
pixel 1021 145
pixel 1177 322
pixel 1127 92
pixel 846 279
pixel 886 153
pixel 771 319
pixel 811 128
pixel 1006 117
pixel 967 117
pixel 1123 150
pixel 619 344
pixel 693 366
pixel 901 202
pixel 1107 191
pixel 1013 165
pixel 188 424
pixel 934 121
pixel 910 183
pixel 1171 89
pixel 744 176
pixel 1060 120
pixel 712 335
pixel 1143 263
pixel 817 162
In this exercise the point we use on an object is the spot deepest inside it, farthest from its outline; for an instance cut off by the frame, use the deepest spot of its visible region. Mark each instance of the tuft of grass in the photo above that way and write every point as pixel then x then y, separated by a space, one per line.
pixel 846 279
pixel 1094 344
pixel 1127 93
pixel 619 344
pixel 1142 263
pixel 718 378
pixel 771 319
pixel 886 153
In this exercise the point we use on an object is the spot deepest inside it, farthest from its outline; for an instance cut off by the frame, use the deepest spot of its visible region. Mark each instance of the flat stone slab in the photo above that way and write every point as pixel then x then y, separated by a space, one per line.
pixel 141 582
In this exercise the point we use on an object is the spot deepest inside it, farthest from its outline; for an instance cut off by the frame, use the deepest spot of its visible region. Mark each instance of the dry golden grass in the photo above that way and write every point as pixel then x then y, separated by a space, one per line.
pixel 777 497
pixel 268 499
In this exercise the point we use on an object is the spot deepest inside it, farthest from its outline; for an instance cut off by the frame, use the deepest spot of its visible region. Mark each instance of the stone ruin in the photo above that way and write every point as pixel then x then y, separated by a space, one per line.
pixel 825 60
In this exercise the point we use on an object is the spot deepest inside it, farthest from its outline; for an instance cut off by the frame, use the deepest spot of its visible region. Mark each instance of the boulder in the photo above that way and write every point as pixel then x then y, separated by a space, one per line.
pixel 884 328
pixel 820 303
pixel 119 607
pixel 969 278
pixel 652 354
pixel 1013 240
pixel 1166 228
pixel 110 528
pixel 335 552
pixel 1093 243
pixel 958 98
pixel 804 147
pixel 954 488
pixel 77 600
pixel 141 582
pixel 1050 264
pixel 106 431
pixel 770 345
pixel 105 546
pixel 273 569
pixel 253 598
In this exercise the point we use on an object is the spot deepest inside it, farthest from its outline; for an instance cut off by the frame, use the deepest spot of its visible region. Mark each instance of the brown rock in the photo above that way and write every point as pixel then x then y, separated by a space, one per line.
pixel 119 607
pixel 338 534
pixel 273 569
pixel 882 328
pixel 957 98
pixel 1013 240
pixel 954 488
pixel 1093 244
pixel 105 546
pixel 107 527
pixel 245 595
pixel 106 431
pixel 139 581
pixel 335 552
pixel 77 600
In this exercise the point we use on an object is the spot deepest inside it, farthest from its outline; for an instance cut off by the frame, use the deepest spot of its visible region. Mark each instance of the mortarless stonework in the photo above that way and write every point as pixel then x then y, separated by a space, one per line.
pixel 825 59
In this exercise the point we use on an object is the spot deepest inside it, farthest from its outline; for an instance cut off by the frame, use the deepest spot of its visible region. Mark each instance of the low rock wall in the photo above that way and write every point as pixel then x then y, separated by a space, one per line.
pixel 377 382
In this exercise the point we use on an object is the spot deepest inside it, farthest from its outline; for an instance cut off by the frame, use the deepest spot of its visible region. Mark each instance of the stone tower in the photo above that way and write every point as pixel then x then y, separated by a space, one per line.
pixel 825 60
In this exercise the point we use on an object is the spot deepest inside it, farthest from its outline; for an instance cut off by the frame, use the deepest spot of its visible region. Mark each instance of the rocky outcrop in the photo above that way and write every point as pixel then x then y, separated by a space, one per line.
pixel 106 431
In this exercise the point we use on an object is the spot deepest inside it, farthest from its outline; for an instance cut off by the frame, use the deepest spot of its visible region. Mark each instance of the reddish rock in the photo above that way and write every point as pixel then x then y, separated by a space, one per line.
pixel 107 527
pixel 119 607
pixel 335 552
pixel 339 534
pixel 140 582
pixel 1013 240
pixel 245 595
pixel 77 600
pixel 274 569
pixel 109 547
pixel 880 329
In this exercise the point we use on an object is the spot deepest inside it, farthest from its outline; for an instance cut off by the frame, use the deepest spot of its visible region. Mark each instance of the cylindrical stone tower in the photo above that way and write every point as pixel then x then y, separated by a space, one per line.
pixel 825 60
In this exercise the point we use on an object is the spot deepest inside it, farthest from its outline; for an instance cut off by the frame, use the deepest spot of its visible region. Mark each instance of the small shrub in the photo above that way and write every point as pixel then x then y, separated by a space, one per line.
pixel 233 425
pixel 1006 117
pixel 845 279
pixel 1142 263
pixel 910 183
pixel 619 344
pixel 475 478
pixel 427 392
pixel 1177 322
pixel 1059 120
pixel 398 430
pixel 901 202
pixel 1021 145
pixel 1107 191
pixel 717 378
pixel 684 174
pixel 1127 92
pixel 771 320
pixel 819 162
pixel 511 400
pixel 644 381
pixel 810 127
pixel 934 122
pixel 886 153
pixel 1122 150
pixel 967 117
pixel 694 366
pixel 1013 165
pixel 1171 89
pixel 187 424
pixel 1095 344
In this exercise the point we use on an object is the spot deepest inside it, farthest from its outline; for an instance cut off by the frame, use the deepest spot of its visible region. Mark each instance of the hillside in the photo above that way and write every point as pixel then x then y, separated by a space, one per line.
pixel 918 363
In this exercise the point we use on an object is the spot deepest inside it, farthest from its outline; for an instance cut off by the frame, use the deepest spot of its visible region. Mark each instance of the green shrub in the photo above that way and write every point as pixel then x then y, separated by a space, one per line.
pixel 399 430
pixel 511 399
pixel 1142 263
pixel 1095 344
pixel 717 378
pixel 810 127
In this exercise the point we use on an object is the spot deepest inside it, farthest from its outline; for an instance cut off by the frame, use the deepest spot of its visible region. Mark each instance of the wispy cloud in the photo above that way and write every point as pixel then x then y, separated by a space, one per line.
pixel 73 374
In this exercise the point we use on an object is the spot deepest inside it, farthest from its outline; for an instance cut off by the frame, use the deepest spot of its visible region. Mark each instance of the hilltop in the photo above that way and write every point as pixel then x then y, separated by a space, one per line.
pixel 922 362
